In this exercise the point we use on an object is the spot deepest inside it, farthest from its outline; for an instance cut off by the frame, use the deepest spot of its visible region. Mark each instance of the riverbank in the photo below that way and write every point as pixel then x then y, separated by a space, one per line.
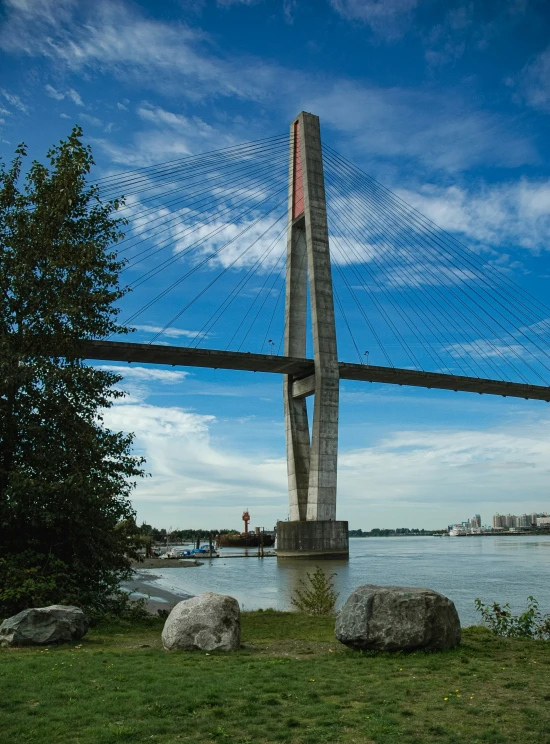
pixel 165 563
pixel 143 586
pixel 291 682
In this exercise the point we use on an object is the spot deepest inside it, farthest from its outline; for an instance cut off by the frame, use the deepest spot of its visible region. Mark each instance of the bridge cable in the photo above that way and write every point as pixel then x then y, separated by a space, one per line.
pixel 218 276
pixel 195 168
pixel 229 299
pixel 487 340
pixel 456 361
pixel 208 258
pixel 240 183
pixel 168 262
pixel 449 240
pixel 445 241
pixel 189 229
pixel 374 217
pixel 343 312
pixel 403 315
pixel 189 158
pixel 425 344
pixel 495 320
pixel 359 306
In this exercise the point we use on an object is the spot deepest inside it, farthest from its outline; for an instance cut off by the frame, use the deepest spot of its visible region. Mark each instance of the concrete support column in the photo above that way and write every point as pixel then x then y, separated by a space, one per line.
pixel 296 421
pixel 312 530
pixel 321 504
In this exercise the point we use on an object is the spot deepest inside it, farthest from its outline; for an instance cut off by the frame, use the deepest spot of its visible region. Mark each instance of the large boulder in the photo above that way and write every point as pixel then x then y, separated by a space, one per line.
pixel 209 622
pixel 43 626
pixel 397 618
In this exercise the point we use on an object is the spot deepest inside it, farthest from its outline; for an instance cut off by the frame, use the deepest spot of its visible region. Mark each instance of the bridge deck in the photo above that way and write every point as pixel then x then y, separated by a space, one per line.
pixel 177 356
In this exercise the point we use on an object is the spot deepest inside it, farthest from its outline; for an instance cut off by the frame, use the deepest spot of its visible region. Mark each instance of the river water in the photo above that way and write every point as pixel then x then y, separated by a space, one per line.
pixel 495 569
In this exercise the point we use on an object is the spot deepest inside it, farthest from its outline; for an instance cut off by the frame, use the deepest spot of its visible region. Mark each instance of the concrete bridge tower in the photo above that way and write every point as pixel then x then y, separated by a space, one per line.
pixel 313 531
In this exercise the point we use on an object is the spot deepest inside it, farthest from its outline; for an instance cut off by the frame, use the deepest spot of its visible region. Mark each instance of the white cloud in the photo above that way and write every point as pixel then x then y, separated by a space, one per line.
pixel 74 96
pixel 162 117
pixel 229 3
pixel 388 18
pixel 170 135
pixel 93 120
pixel 534 82
pixel 71 94
pixel 147 374
pixel 289 7
pixel 14 101
pixel 509 214
pixel 112 36
pixel 169 332
pixel 53 93
pixel 441 467
pixel 439 130
pixel 245 242
pixel 421 478
pixel 188 467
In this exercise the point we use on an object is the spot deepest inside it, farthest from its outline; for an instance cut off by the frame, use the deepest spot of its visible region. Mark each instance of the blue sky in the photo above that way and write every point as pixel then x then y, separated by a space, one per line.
pixel 445 103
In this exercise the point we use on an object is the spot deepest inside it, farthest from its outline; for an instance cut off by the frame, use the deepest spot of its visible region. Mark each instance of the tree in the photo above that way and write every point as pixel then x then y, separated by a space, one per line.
pixel 318 596
pixel 65 479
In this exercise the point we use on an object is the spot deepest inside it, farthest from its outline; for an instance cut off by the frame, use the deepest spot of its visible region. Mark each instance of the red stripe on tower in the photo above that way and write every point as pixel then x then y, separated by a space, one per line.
pixel 297 182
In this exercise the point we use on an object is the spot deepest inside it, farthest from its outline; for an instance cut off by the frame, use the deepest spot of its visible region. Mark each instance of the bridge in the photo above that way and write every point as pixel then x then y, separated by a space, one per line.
pixel 444 305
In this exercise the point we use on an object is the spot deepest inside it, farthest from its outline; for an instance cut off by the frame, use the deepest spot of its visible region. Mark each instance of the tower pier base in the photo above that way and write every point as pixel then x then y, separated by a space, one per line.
pixel 326 540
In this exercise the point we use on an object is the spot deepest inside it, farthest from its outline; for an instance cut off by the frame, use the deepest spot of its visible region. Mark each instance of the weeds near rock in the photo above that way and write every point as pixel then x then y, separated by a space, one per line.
pixel 530 624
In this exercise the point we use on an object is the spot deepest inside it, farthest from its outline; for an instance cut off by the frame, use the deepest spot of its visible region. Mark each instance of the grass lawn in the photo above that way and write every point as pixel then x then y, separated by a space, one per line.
pixel 291 682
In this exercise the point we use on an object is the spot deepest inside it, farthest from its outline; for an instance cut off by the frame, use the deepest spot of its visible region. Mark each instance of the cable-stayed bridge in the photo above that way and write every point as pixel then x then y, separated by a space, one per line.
pixel 272 251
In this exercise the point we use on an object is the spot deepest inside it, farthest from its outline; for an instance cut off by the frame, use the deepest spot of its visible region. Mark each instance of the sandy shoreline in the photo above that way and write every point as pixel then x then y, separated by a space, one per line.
pixel 140 587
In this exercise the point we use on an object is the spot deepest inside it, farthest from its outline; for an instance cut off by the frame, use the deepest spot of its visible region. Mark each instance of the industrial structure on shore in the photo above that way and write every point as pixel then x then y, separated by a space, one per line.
pixel 246 539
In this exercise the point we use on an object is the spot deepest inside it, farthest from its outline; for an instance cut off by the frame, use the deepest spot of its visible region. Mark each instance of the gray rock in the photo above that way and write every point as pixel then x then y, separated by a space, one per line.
pixel 209 622
pixel 398 618
pixel 42 626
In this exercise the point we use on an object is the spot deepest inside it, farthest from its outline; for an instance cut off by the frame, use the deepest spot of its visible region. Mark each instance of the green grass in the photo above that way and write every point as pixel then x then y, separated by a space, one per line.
pixel 291 682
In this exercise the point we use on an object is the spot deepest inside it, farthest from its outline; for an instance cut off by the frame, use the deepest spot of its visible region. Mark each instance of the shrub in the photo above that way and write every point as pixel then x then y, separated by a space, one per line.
pixel 530 624
pixel 317 598
pixel 30 579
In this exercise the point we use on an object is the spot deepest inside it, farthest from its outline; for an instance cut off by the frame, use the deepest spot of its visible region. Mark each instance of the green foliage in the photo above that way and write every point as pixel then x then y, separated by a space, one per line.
pixel 317 597
pixel 65 479
pixel 30 578
pixel 117 607
pixel 530 624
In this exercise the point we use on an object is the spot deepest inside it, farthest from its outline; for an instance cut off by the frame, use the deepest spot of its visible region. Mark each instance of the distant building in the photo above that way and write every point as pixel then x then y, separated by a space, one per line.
pixel 475 522
pixel 499 521
pixel 543 521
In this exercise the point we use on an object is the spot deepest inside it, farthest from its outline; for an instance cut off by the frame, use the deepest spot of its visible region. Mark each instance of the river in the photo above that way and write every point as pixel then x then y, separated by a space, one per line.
pixel 495 569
